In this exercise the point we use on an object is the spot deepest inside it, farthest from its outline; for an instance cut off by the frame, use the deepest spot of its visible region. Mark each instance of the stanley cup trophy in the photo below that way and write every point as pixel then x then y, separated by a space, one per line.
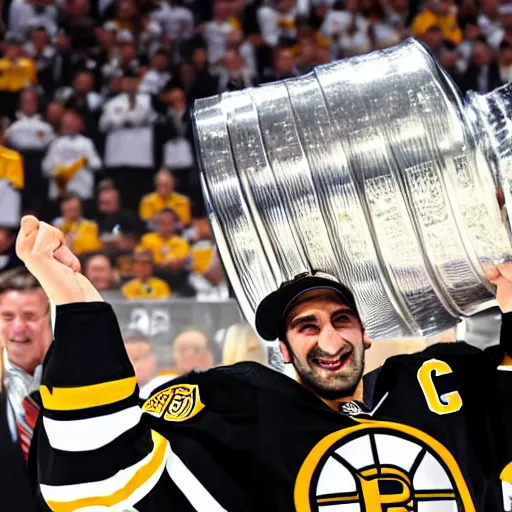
pixel 373 169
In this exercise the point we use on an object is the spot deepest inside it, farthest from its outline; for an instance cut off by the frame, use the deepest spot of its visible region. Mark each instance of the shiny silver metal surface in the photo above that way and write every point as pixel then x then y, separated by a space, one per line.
pixel 373 169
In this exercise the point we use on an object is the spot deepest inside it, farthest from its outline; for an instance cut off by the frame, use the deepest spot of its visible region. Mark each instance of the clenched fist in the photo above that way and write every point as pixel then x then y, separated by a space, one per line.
pixel 41 247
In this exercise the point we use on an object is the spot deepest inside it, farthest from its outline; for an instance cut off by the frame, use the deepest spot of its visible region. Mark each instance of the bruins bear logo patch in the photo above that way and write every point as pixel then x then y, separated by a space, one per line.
pixel 175 403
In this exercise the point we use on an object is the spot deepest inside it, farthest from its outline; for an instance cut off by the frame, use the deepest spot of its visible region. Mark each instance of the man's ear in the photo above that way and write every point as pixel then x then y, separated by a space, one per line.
pixel 367 342
pixel 285 353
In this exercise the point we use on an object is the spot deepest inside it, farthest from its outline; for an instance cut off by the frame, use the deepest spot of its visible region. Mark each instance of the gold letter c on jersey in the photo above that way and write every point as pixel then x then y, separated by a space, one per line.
pixel 445 404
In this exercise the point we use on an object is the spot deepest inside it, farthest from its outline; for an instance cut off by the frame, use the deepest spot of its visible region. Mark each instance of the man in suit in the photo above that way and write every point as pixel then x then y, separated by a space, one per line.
pixel 25 336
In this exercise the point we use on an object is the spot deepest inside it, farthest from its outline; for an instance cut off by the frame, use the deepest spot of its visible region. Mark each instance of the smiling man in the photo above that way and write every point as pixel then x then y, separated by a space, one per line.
pixel 247 438
pixel 321 335
pixel 25 336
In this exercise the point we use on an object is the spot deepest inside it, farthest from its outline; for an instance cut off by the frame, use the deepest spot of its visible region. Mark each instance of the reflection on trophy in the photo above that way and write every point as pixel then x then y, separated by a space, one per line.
pixel 374 169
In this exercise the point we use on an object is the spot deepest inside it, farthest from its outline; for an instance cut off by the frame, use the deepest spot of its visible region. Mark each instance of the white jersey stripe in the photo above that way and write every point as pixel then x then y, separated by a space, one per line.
pixel 91 433
pixel 190 486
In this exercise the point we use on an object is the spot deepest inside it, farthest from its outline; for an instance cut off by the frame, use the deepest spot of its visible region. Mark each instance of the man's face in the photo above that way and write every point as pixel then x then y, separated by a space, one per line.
pixel 71 210
pixel 28 103
pixel 71 124
pixel 25 327
pixel 166 224
pixel 142 267
pixel 143 360
pixel 83 83
pixel 191 352
pixel 99 271
pixel 108 201
pixel 326 344
pixel 164 185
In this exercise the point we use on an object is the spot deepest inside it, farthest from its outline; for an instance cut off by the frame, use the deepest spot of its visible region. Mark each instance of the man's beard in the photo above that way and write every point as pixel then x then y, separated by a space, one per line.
pixel 339 387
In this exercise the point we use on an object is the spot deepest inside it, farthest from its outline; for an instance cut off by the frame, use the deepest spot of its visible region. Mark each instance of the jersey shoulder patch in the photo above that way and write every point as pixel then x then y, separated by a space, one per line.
pixel 178 402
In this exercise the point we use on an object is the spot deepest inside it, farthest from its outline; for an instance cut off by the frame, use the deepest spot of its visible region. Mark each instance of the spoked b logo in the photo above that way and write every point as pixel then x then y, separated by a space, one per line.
pixel 381 467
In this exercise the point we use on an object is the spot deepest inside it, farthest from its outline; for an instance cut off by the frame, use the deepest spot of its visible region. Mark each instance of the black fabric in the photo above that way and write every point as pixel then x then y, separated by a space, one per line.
pixel 95 335
pixel 262 440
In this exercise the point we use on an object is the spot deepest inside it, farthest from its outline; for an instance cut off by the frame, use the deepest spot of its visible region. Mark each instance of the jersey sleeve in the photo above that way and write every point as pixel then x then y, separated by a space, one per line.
pixel 94 449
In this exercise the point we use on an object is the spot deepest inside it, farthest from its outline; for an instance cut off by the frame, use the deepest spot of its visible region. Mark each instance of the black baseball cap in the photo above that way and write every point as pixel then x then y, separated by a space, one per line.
pixel 274 308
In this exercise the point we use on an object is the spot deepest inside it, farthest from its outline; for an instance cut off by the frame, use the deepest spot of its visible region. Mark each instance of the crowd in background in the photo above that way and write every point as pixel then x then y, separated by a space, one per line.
pixel 95 100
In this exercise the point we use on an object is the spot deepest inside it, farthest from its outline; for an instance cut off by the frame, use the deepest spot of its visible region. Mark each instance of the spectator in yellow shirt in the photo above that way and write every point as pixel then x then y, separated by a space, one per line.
pixel 16 73
pixel 145 286
pixel 169 249
pixel 165 197
pixel 441 13
pixel 81 235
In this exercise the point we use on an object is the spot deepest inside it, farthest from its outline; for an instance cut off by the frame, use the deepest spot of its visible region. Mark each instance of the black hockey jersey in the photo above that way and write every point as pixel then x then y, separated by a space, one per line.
pixel 248 438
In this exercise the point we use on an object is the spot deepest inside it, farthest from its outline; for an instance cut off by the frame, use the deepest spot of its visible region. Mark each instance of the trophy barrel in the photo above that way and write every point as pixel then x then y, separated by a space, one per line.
pixel 371 169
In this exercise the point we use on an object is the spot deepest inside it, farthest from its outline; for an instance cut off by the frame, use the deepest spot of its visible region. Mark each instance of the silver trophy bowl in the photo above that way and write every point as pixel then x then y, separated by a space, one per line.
pixel 373 169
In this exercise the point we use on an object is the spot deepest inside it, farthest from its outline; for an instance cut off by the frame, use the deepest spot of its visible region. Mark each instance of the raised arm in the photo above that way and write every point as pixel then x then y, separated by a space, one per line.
pixel 93 450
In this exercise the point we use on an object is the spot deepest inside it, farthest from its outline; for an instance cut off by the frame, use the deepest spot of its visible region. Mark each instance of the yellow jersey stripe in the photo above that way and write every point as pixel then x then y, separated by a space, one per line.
pixel 155 464
pixel 506 474
pixel 85 397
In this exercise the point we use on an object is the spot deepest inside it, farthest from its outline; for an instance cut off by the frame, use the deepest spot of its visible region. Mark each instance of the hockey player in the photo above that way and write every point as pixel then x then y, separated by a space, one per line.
pixel 245 437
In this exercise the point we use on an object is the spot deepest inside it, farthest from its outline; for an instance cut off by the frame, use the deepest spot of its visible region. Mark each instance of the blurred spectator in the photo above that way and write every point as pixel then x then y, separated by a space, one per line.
pixel 164 197
pixel 30 135
pixel 16 73
pixel 504 33
pixel 11 184
pixel 82 98
pixel 482 74
pixel 127 16
pixel 124 61
pixel 111 218
pixel 348 28
pixel 438 12
pixel 54 113
pixel 433 38
pixel 98 269
pixel 210 285
pixel 191 351
pixel 143 359
pixel 42 52
pixel 80 235
pixel 24 14
pixel 202 82
pixel 176 20
pixel 29 132
pixel 505 62
pixel 177 151
pixel 77 22
pixel 128 119
pixel 217 31
pixel 25 336
pixel 243 344
pixel 233 74
pixel 207 277
pixel 71 160
pixel 284 66
pixel 489 19
pixel 169 249
pixel 145 285
pixel 8 258
pixel 158 75
pixel 277 22
pixel 450 59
